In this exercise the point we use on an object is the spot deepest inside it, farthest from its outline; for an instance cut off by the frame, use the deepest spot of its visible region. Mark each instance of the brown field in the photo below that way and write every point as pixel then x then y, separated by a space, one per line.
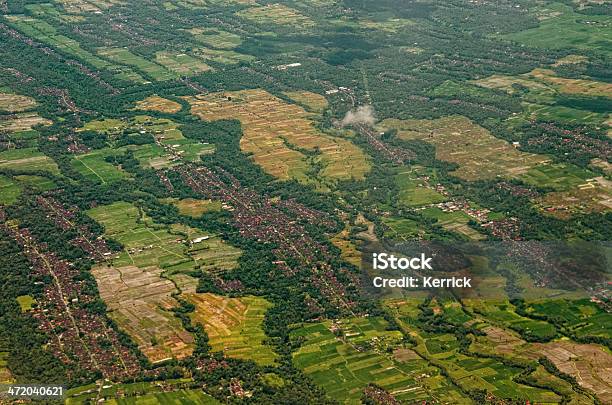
pixel 590 364
pixel 593 196
pixel 140 301
pixel 402 355
pixel 87 6
pixel 234 325
pixel 156 103
pixel 15 102
pixel 479 154
pixel 22 122
pixel 277 133
pixel 313 101
pixel 572 86
pixel 195 208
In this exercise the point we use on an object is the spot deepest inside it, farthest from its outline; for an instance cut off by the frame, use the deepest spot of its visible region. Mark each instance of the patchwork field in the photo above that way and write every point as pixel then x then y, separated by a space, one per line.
pixel 159 104
pixel 276 14
pixel 15 102
pixel 140 301
pixel 582 317
pixel 125 57
pixel 413 193
pixel 175 248
pixel 224 56
pixel 594 195
pixel 27 159
pixel 282 137
pixel 234 325
pixel 572 86
pixel 478 153
pixel 344 362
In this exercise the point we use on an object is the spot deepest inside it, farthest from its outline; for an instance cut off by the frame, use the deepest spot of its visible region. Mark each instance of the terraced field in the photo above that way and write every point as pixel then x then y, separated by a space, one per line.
pixel 234 325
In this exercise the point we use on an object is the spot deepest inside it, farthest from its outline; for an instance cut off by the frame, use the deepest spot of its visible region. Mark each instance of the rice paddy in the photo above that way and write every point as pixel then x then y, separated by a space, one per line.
pixel 159 104
pixel 234 325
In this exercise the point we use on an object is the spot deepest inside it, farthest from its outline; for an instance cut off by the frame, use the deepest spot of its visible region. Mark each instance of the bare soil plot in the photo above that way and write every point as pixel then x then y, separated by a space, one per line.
pixel 15 102
pixel 590 364
pixel 234 325
pixel 479 154
pixel 282 137
pixel 140 301
pixel 160 104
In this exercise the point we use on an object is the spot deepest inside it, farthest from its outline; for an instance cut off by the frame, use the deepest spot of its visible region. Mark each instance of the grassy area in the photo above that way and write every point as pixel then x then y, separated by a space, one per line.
pixel 234 325
pixel 125 57
pixel 195 208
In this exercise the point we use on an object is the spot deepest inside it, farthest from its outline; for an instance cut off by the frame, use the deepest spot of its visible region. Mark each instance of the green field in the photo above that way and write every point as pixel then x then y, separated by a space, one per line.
pixel 345 366
pixel 125 57
pixel 9 190
pixel 93 166
pixel 143 393
pixel 413 193
pixel 27 159
pixel 559 176
pixel 581 317
pixel 562 28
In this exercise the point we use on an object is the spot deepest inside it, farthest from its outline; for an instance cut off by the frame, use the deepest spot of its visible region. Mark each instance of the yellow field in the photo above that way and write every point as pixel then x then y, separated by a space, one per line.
pixel 572 86
pixel 313 101
pixel 140 301
pixel 278 133
pixel 160 104
pixel 479 154
pixel 234 325
pixel 15 102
